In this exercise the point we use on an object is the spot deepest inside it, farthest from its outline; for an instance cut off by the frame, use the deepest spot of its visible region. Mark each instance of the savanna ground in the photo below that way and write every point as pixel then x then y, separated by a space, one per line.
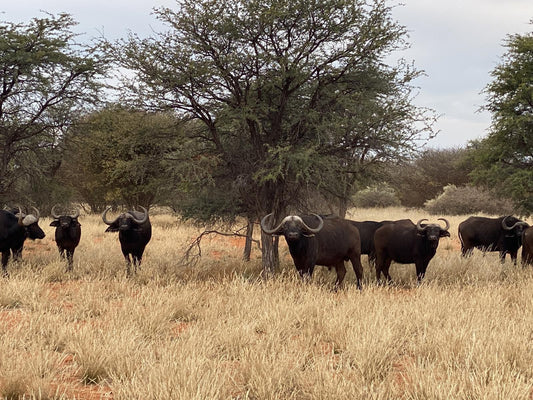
pixel 217 330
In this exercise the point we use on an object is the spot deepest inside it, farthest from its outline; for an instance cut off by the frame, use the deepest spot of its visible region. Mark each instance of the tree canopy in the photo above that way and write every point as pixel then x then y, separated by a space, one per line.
pixel 121 156
pixel 504 159
pixel 289 93
pixel 292 97
pixel 46 78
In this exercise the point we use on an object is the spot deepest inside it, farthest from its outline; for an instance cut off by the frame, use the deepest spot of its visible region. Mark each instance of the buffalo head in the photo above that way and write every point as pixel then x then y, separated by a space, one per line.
pixel 30 223
pixel 292 227
pixel 125 221
pixel 433 232
pixel 516 228
pixel 64 221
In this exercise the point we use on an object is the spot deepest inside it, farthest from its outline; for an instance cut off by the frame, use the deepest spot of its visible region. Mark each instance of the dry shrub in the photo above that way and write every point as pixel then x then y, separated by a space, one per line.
pixel 468 200
pixel 376 196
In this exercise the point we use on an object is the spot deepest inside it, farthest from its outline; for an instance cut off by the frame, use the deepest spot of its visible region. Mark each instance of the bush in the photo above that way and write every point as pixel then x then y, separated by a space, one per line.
pixel 468 200
pixel 376 196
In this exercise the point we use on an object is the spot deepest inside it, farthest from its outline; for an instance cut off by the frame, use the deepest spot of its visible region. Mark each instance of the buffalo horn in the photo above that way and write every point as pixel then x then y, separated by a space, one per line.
pixel 106 221
pixel 446 222
pixel 419 227
pixel 510 228
pixel 143 219
pixel 20 215
pixel 76 213
pixel 53 212
pixel 36 213
pixel 318 228
pixel 269 231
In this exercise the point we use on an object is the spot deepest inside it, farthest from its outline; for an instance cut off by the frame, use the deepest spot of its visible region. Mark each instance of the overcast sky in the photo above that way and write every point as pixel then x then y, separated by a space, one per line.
pixel 456 42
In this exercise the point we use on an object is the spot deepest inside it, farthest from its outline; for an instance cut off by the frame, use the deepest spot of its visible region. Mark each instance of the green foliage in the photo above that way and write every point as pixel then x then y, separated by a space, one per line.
pixel 121 156
pixel 381 195
pixel 287 94
pixel 46 79
pixel 505 158
pixel 468 200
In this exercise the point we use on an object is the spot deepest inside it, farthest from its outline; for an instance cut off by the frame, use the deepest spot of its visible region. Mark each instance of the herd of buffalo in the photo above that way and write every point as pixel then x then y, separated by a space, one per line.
pixel 326 240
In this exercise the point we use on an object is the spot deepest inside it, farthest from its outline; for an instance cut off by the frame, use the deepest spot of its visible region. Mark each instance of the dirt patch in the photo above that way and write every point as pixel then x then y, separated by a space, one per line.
pixel 11 318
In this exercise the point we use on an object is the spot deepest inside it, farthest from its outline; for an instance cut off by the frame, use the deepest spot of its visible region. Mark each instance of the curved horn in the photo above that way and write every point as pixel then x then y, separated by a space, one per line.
pixel 36 213
pixel 318 228
pixel 510 228
pixel 446 222
pixel 269 231
pixel 53 212
pixel 76 213
pixel 143 219
pixel 106 221
pixel 21 216
pixel 419 227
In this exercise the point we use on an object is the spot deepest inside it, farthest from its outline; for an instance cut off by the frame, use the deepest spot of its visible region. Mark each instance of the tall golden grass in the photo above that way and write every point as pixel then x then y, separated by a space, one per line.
pixel 217 330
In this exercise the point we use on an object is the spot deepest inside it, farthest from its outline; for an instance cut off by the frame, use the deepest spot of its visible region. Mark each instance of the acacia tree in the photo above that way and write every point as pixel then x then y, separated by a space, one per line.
pixel 504 159
pixel 121 156
pixel 45 79
pixel 291 95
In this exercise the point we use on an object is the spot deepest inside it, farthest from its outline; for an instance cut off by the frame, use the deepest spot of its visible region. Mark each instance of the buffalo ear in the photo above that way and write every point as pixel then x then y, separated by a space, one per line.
pixel 112 228
pixel 55 222
pixel 444 233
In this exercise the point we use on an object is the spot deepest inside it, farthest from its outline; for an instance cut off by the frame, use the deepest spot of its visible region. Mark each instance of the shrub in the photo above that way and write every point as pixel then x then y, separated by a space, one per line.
pixel 376 196
pixel 468 200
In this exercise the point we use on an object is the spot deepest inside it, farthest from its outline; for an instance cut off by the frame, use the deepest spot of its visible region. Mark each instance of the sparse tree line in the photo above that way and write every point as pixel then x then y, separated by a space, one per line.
pixel 243 108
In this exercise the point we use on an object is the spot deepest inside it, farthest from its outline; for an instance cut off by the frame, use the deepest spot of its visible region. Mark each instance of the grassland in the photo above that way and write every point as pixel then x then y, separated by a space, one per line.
pixel 216 330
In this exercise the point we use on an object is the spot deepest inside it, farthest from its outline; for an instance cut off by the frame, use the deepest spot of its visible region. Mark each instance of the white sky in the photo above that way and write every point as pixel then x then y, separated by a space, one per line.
pixel 456 42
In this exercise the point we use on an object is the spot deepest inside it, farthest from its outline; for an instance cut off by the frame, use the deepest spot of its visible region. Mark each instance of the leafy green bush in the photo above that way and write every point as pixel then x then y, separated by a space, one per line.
pixel 468 200
pixel 381 195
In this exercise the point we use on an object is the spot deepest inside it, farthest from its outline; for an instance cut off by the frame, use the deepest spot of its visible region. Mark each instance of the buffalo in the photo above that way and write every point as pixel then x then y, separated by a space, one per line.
pixel 503 234
pixel 406 243
pixel 527 246
pixel 15 227
pixel 330 242
pixel 67 234
pixel 134 232
pixel 367 229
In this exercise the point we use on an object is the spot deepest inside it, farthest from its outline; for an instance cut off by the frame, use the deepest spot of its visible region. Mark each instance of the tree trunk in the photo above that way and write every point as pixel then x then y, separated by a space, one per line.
pixel 269 254
pixel 248 244
pixel 343 207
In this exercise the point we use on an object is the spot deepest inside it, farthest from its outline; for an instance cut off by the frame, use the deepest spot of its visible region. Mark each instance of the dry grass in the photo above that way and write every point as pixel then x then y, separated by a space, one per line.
pixel 218 331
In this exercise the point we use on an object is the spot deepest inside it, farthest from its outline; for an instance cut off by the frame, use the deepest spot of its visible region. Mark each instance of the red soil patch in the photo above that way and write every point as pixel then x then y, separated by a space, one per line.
pixel 69 385
pixel 400 372
pixel 38 246
pixel 11 318
pixel 178 328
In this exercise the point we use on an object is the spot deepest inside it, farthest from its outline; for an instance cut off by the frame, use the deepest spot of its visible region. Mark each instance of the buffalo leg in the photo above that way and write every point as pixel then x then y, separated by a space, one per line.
pixel 420 271
pixel 514 256
pixel 17 253
pixel 466 251
pixel 5 259
pixel 136 262
pixel 128 264
pixel 358 269
pixel 341 272
pixel 385 265
pixel 70 257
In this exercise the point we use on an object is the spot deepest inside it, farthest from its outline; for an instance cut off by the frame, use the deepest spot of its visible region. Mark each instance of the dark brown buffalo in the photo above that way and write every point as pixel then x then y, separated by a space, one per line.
pixel 527 246
pixel 67 234
pixel 15 227
pixel 367 229
pixel 407 243
pixel 314 240
pixel 503 234
pixel 134 232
